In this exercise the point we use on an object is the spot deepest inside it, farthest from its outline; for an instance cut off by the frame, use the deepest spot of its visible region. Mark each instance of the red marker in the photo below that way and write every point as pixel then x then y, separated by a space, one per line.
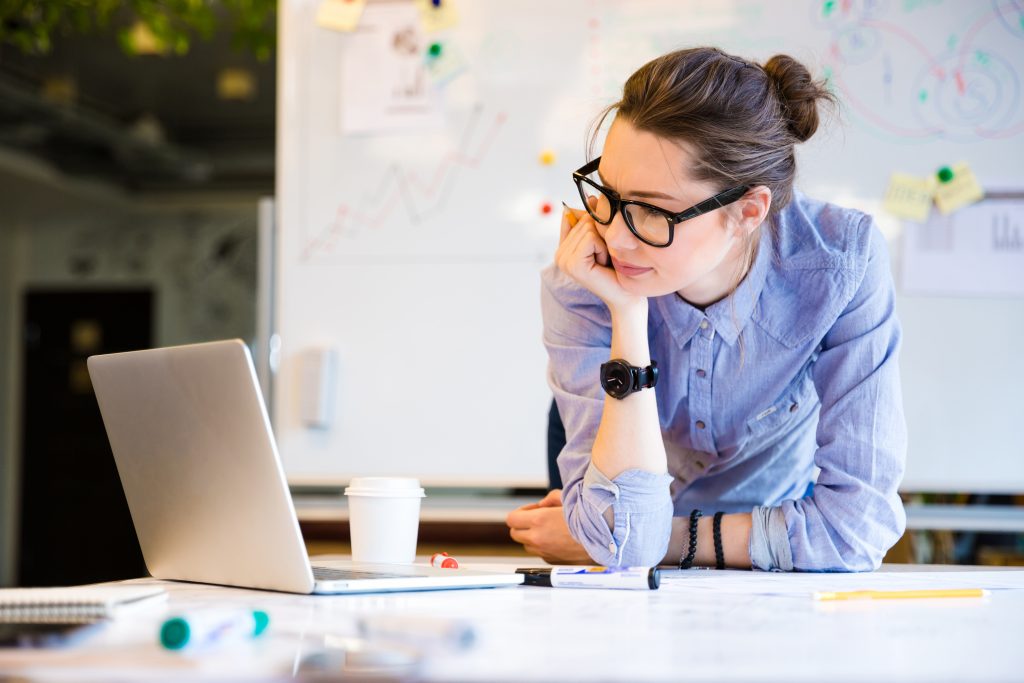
pixel 443 561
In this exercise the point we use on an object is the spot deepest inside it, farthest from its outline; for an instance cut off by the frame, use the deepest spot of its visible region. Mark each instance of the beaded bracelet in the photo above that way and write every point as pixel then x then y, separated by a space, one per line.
pixel 716 529
pixel 687 560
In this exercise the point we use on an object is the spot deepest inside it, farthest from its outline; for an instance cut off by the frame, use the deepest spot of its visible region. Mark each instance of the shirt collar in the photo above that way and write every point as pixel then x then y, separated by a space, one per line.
pixel 727 317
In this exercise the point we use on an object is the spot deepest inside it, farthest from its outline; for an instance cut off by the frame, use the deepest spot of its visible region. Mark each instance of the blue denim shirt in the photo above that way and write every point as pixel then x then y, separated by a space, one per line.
pixel 796 370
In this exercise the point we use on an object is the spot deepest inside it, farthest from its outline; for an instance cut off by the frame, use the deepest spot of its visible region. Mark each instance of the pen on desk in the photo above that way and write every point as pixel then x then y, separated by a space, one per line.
pixel 443 560
pixel 421 631
pixel 630 578
pixel 901 595
pixel 203 628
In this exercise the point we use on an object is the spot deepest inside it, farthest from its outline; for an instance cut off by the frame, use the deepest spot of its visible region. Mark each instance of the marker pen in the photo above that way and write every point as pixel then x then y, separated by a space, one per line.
pixel 443 561
pixel 204 628
pixel 425 632
pixel 630 578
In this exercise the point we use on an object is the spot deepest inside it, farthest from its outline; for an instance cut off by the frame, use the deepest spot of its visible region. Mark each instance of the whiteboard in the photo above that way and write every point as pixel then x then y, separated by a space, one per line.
pixel 415 253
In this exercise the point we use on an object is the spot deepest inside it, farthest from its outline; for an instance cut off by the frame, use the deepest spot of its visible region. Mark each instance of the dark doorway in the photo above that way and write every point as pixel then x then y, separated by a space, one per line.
pixel 74 524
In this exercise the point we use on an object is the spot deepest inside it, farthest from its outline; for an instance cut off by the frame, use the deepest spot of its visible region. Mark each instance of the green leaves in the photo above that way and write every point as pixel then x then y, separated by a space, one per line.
pixel 142 26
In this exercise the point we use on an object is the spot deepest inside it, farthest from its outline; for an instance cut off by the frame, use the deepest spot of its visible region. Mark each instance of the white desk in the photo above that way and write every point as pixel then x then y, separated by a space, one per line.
pixel 701 625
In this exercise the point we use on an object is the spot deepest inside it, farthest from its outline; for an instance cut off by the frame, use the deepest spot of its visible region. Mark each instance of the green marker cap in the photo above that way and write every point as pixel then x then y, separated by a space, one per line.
pixel 435 49
pixel 945 174
pixel 174 634
pixel 261 619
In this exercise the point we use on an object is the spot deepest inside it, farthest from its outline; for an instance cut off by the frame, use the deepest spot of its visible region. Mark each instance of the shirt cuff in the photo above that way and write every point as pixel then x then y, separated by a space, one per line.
pixel 633 492
pixel 769 540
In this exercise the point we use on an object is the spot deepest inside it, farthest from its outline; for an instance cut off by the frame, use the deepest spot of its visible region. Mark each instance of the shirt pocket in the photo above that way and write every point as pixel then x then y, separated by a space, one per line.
pixel 791 406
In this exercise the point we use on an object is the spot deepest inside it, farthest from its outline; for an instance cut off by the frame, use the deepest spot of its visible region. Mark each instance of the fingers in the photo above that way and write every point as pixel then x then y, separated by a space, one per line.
pixel 552 499
pixel 520 519
pixel 521 536
pixel 570 219
pixel 533 550
pixel 577 248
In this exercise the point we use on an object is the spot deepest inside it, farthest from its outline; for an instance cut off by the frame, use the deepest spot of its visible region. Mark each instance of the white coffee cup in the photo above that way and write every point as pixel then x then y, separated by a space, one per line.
pixel 384 518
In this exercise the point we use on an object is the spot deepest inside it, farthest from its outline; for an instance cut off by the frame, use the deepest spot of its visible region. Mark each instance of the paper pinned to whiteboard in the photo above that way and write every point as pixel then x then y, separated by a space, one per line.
pixel 976 251
pixel 385 86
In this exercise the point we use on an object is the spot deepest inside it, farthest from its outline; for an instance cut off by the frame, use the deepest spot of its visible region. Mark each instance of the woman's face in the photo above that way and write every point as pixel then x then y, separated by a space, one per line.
pixel 704 261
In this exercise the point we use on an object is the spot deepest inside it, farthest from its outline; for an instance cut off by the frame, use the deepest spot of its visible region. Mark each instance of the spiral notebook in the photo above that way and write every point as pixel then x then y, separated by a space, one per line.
pixel 74 604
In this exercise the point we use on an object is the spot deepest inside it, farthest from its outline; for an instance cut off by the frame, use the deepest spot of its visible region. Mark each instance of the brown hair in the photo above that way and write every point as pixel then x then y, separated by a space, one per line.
pixel 741 119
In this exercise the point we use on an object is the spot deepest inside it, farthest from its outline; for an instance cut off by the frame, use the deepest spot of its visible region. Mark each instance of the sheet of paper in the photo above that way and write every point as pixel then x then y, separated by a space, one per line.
pixel 976 251
pixel 384 82
pixel 446 65
pixel 806 584
pixel 962 190
pixel 909 197
pixel 438 17
pixel 340 15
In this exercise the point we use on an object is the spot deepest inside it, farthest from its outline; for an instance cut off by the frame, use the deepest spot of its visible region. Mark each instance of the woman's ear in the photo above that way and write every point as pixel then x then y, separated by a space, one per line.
pixel 752 208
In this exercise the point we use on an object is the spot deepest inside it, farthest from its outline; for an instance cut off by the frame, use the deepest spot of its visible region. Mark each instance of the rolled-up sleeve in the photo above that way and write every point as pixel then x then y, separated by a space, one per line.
pixel 855 514
pixel 577 335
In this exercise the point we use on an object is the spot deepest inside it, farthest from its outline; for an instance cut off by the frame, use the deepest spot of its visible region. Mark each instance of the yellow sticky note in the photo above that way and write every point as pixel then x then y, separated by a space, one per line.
pixel 437 17
pixel 909 197
pixel 963 189
pixel 340 15
pixel 444 63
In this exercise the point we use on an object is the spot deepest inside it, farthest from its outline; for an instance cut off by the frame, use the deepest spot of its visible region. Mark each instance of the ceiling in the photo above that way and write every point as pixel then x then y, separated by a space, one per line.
pixel 142 123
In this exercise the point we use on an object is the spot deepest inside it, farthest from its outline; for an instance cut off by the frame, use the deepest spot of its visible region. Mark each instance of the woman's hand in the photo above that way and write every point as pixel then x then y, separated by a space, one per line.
pixel 542 530
pixel 583 255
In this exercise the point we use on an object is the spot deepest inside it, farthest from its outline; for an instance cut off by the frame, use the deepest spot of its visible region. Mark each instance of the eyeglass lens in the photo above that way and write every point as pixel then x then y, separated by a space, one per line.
pixel 651 226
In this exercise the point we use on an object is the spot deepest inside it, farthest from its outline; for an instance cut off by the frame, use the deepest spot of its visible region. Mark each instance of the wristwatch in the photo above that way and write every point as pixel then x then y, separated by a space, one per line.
pixel 619 379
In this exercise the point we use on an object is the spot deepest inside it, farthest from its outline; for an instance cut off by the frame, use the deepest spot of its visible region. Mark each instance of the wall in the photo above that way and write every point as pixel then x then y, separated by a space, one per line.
pixel 197 253
pixel 7 490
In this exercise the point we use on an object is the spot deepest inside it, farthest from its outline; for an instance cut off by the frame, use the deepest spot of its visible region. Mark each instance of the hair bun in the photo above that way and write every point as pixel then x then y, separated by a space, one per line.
pixel 798 93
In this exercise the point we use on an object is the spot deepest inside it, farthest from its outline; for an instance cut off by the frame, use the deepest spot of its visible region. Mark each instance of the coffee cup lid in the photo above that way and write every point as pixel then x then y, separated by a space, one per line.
pixel 389 487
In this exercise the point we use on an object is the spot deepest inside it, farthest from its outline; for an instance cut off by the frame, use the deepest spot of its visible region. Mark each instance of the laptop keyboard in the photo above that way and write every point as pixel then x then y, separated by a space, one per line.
pixel 332 574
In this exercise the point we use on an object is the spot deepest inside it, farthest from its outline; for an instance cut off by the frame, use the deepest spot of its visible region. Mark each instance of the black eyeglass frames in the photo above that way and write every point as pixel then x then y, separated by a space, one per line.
pixel 650 224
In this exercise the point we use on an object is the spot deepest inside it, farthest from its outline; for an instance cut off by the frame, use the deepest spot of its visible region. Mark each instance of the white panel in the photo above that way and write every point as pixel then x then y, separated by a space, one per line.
pixel 417 254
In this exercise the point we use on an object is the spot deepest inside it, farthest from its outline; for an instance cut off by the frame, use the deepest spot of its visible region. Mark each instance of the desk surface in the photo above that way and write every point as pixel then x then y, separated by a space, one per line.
pixel 701 625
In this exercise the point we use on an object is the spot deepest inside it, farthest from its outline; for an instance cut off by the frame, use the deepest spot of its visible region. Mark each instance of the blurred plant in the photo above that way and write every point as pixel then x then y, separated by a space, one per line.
pixel 143 26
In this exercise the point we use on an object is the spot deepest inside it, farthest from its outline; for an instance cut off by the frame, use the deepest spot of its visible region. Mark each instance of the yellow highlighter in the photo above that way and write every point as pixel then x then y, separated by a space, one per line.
pixel 902 595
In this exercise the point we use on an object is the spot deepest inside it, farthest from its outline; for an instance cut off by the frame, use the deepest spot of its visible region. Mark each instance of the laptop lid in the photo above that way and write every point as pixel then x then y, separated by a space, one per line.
pixel 197 459
pixel 199 466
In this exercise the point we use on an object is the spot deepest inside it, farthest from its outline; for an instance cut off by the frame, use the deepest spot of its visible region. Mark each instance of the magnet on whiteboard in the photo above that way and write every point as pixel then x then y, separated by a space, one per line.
pixel 319 370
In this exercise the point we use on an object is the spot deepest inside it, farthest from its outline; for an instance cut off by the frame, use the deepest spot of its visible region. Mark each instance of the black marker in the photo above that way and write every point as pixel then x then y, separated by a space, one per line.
pixel 629 578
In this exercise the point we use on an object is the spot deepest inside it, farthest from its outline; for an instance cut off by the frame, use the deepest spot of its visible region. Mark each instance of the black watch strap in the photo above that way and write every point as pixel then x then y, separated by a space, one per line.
pixel 619 379
pixel 647 377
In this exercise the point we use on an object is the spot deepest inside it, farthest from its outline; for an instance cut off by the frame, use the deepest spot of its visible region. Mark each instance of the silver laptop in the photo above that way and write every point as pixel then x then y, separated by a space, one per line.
pixel 204 482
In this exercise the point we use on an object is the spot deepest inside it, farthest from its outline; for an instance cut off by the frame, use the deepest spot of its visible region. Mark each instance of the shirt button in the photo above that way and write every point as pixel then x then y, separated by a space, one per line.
pixel 611 546
pixel 701 373
pixel 703 324
pixel 700 424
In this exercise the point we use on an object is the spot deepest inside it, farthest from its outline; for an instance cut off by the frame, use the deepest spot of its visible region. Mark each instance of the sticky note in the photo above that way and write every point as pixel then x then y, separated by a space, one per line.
pixel 437 16
pixel 445 63
pixel 340 15
pixel 909 197
pixel 959 191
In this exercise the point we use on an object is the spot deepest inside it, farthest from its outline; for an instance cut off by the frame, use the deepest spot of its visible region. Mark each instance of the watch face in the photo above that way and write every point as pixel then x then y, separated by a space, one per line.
pixel 616 379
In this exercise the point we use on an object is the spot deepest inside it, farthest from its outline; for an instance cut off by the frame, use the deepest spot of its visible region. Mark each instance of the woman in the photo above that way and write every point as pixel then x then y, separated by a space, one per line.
pixel 770 320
